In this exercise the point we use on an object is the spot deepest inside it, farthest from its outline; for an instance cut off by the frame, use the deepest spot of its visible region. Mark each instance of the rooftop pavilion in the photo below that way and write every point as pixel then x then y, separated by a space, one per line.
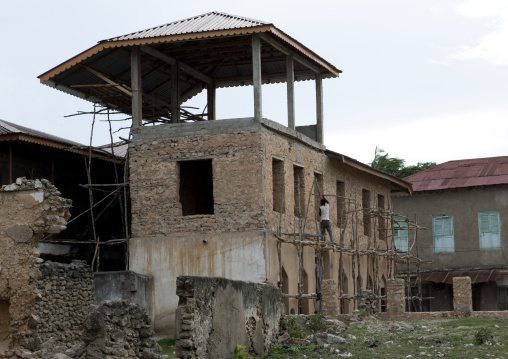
pixel 150 73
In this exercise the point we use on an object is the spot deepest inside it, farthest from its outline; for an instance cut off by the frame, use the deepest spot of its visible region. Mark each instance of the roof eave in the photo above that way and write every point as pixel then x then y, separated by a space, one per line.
pixel 403 185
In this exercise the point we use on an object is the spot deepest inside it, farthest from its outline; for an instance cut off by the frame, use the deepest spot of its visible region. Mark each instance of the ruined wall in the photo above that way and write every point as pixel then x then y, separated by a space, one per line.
pixel 28 209
pixel 215 315
pixel 118 330
pixel 67 292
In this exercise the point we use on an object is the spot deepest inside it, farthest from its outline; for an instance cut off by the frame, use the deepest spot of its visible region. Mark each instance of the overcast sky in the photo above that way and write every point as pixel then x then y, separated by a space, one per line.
pixel 425 80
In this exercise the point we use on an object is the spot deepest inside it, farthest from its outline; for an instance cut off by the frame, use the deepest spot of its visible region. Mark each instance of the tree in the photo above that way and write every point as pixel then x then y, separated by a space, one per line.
pixel 395 166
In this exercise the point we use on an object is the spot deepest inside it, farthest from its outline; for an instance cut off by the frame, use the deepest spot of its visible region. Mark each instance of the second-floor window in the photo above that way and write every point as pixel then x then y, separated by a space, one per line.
pixel 490 232
pixel 400 234
pixel 442 227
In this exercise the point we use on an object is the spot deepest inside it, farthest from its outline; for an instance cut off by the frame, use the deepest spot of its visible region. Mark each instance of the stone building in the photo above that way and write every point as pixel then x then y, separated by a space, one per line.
pixel 237 197
pixel 463 205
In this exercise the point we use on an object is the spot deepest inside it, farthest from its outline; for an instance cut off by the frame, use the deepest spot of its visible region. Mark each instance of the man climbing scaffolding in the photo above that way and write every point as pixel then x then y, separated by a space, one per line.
pixel 324 212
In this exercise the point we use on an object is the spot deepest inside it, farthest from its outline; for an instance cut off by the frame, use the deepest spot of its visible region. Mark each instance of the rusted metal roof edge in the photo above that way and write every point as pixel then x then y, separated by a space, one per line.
pixel 405 186
pixel 99 154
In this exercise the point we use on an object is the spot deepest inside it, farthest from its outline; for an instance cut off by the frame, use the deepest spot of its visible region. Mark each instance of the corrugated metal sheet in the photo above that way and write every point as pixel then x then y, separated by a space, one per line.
pixel 211 21
pixel 461 174
pixel 477 276
pixel 7 128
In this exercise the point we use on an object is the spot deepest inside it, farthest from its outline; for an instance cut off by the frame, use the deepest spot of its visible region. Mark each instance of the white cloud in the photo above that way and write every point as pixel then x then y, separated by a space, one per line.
pixel 493 46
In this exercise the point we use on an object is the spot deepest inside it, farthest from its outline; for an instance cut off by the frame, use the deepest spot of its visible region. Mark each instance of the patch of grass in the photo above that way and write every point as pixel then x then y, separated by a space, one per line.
pixel 168 346
pixel 298 351
pixel 484 336
pixel 242 353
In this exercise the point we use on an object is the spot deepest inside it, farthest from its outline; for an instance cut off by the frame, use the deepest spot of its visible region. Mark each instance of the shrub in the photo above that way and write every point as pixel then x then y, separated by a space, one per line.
pixel 316 323
pixel 294 330
pixel 483 336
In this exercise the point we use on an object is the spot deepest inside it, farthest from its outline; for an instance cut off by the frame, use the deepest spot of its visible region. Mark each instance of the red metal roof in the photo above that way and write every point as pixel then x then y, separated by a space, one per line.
pixel 462 173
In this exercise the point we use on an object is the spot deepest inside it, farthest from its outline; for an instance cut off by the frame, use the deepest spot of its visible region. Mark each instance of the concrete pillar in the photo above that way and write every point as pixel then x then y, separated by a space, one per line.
pixel 395 296
pixel 256 76
pixel 462 294
pixel 329 298
pixel 136 87
pixel 175 94
pixel 319 109
pixel 290 79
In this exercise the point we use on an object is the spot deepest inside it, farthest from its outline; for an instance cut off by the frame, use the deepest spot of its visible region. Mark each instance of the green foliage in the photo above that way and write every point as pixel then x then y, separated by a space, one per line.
pixel 294 329
pixel 316 323
pixel 241 353
pixel 483 336
pixel 395 166
pixel 168 346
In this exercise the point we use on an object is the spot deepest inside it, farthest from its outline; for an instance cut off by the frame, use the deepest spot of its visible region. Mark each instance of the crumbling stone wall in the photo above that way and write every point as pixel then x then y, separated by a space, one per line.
pixel 118 330
pixel 216 314
pixel 395 296
pixel 329 298
pixel 28 209
pixel 67 293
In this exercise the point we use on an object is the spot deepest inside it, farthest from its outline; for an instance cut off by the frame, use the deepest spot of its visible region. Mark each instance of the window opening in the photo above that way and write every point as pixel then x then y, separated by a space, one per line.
pixel 443 233
pixel 196 187
pixel 381 223
pixel 299 190
pixel 400 233
pixel 490 232
pixel 366 214
pixel 341 208
pixel 278 185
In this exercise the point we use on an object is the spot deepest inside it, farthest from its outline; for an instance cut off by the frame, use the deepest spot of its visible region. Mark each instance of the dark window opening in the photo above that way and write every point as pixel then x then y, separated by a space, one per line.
pixel 278 185
pixel 341 208
pixel 4 320
pixel 196 187
pixel 381 223
pixel 299 190
pixel 319 185
pixel 366 211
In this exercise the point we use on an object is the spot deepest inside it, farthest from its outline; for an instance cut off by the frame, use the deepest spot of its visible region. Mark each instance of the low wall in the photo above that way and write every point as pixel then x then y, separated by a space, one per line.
pixel 215 315
pixel 67 296
pixel 501 315
pixel 124 285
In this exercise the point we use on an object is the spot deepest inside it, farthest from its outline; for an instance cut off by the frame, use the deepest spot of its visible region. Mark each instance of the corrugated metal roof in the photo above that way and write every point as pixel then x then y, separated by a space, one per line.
pixel 462 173
pixel 477 276
pixel 216 45
pixel 7 128
pixel 211 21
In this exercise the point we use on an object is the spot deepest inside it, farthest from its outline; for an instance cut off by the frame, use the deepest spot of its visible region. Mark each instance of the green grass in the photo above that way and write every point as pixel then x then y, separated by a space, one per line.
pixel 372 338
pixel 168 347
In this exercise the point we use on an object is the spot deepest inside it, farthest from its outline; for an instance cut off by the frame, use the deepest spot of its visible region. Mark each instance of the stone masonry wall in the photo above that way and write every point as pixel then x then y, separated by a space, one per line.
pixel 237 180
pixel 118 330
pixel 216 314
pixel 462 294
pixel 67 296
pixel 28 209
pixel 395 296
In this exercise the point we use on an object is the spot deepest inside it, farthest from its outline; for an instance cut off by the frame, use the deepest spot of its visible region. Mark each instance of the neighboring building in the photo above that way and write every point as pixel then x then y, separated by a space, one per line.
pixel 229 198
pixel 25 152
pixel 464 207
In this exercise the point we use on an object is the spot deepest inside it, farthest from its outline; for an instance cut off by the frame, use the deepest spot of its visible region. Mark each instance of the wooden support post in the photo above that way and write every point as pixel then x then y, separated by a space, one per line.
pixel 175 95
pixel 210 91
pixel 10 162
pixel 290 73
pixel 136 86
pixel 256 76
pixel 319 109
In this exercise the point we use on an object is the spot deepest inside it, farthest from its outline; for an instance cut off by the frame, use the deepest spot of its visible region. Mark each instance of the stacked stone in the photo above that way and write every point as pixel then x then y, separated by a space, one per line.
pixel 119 330
pixel 368 302
pixel 462 294
pixel 67 293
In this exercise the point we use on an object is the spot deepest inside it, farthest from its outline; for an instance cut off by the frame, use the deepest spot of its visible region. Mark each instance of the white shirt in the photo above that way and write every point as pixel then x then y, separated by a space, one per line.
pixel 325 212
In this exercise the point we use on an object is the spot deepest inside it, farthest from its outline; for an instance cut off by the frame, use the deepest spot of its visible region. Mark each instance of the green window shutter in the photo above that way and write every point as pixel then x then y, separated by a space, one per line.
pixel 400 234
pixel 443 233
pixel 490 230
